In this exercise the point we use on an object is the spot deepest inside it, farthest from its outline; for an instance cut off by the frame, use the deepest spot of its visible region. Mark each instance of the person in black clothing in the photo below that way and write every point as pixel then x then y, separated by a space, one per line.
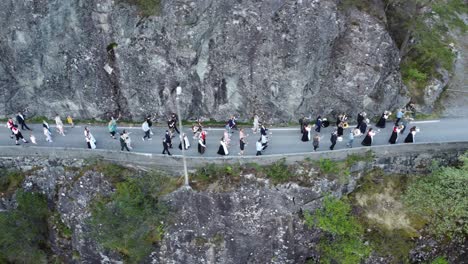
pixel 166 145
pixel 363 126
pixel 123 141
pixel 333 138
pixel 360 118
pixel 168 139
pixel 318 124
pixel 21 120
pixel 175 119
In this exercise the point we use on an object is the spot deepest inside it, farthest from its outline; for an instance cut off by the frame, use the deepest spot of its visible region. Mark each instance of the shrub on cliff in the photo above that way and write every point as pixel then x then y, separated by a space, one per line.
pixel 132 220
pixel 343 242
pixel 23 236
pixel 442 199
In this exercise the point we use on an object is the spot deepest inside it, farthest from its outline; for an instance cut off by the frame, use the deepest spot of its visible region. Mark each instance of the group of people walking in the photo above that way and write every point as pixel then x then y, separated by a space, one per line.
pixel 225 144
pixel 362 129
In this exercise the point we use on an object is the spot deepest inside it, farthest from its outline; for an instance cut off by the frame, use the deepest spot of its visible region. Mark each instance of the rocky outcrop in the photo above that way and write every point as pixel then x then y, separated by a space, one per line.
pixel 277 58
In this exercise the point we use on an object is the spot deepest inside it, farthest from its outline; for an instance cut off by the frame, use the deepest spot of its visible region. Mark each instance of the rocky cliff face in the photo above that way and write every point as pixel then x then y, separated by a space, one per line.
pixel 276 58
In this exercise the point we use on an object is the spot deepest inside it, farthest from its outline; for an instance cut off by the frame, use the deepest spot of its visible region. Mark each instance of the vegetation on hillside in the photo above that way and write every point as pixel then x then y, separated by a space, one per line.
pixel 24 230
pixel 133 219
pixel 343 242
pixel 146 7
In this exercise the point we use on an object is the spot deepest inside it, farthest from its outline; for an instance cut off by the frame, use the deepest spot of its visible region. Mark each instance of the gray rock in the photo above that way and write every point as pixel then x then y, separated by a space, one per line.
pixel 276 58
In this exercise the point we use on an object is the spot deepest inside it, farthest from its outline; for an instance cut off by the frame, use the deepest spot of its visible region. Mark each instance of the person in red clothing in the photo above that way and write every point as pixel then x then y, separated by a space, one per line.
pixel 10 125
pixel 18 135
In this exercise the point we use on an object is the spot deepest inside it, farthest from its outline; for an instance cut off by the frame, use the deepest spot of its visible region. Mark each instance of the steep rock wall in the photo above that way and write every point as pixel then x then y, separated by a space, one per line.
pixel 276 58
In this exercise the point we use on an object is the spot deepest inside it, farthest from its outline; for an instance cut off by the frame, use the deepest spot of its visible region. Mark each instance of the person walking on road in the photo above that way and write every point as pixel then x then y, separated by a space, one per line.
pixel 360 118
pixel 383 119
pixel 10 125
pixel 363 126
pixel 46 131
pixel 394 137
pixel 32 138
pixel 123 141
pixel 168 139
pixel 173 121
pixel 166 144
pixel 411 135
pixel 318 124
pixel 70 121
pixel 18 135
pixel 399 116
pixel 184 142
pixel 201 146
pixel 146 128
pixel 59 125
pixel 242 141
pixel 256 123
pixel 22 121
pixel 333 138
pixel 306 133
pixel 369 138
pixel 259 147
pixel 351 138
pixel 222 150
pixel 316 141
pixel 112 126
pixel 90 140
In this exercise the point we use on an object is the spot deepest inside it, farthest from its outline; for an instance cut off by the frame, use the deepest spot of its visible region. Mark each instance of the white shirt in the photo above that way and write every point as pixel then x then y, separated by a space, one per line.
pixel 259 146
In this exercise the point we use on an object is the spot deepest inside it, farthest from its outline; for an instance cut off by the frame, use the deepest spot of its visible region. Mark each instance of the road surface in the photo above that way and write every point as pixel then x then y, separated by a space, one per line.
pixel 282 140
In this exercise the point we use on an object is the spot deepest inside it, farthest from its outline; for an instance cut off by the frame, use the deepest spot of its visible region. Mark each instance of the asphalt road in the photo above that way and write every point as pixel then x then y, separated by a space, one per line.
pixel 282 140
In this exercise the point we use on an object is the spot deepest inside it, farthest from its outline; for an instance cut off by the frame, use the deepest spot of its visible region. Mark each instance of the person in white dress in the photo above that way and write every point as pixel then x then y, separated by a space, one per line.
pixel 59 124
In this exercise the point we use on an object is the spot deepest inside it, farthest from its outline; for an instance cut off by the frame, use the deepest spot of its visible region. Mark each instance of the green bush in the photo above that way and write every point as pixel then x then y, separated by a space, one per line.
pixel 278 172
pixel 328 166
pixel 146 7
pixel 132 220
pixel 440 260
pixel 23 236
pixel 10 180
pixel 343 243
pixel 442 199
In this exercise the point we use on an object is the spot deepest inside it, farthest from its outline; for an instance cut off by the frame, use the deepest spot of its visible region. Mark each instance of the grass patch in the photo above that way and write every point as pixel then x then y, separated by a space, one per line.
pixel 10 181
pixel 62 229
pixel 343 242
pixel 441 198
pixel 24 230
pixel 146 7
pixel 391 227
pixel 114 172
pixel 133 219
pixel 279 172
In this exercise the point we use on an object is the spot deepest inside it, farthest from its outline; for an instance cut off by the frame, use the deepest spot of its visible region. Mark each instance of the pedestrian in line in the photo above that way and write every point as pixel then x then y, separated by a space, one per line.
pixel 356 132
pixel 242 141
pixel 264 137
pixel 259 147
pixel 383 119
pixel 22 121
pixel 351 138
pixel 203 136
pixel 175 119
pixel 363 126
pixel 112 126
pixel 369 138
pixel 360 118
pixel 333 138
pixel 256 123
pixel 316 141
pixel 70 121
pixel 123 141
pixel 90 140
pixel 340 129
pixel 150 124
pixel 10 125
pixel 399 116
pixel 18 135
pixel 184 141
pixel 46 125
pixel 201 146
pixel 302 123
pixel 32 138
pixel 394 137
pixel 411 135
pixel 145 127
pixel 47 134
pixel 129 141
pixel 405 123
pixel 231 124
pixel 318 124
pixel 306 133
pixel 222 150
pixel 227 137
pixel 59 125
pixel 166 144
pixel 168 139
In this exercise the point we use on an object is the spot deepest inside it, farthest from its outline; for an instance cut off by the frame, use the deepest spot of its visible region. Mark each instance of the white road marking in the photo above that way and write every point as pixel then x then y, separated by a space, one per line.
pixel 425 122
